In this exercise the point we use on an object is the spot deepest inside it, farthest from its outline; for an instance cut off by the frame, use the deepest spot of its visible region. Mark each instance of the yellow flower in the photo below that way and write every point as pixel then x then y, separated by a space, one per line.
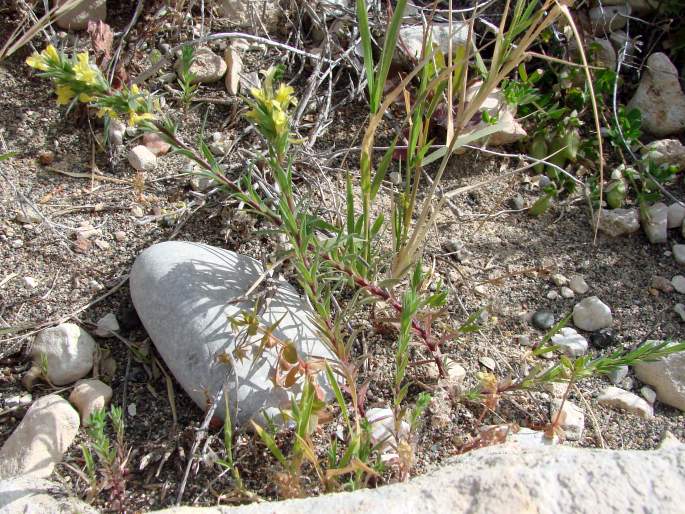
pixel 280 119
pixel 284 96
pixel 64 95
pixel 83 71
pixel 135 90
pixel 51 53
pixel 258 94
pixel 36 61
pixel 134 118
pixel 83 97
pixel 106 111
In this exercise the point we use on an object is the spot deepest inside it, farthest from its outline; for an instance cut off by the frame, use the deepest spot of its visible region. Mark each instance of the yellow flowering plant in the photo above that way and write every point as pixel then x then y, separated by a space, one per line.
pixel 79 80
pixel 270 111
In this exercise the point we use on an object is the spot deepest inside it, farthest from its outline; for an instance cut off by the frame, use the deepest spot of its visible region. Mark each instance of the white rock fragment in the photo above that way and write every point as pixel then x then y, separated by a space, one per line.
pixel 679 254
pixel 618 398
pixel 132 409
pixel 618 374
pixel 571 418
pixel 578 285
pixel 106 325
pixel 667 376
pixel 648 394
pixel 81 13
pixel 659 97
pixel 382 421
pixel 141 158
pixel 116 132
pixel 411 37
pixel 27 215
pixel 618 222
pixel 570 342
pixel 676 215
pixel 527 438
pixel 207 66
pixel 679 309
pixel 567 292
pixel 678 283
pixel 655 223
pixel 559 280
pixel 665 151
pixel 40 440
pixel 88 396
pixel 592 314
pixel 552 295
pixel 67 350
pixel 30 282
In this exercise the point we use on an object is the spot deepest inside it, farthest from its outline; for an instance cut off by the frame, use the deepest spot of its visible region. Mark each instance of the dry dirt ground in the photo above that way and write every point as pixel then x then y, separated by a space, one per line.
pixel 511 254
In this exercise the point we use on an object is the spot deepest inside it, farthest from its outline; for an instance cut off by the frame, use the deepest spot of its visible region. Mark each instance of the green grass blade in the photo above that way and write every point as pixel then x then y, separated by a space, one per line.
pixel 338 394
pixel 388 50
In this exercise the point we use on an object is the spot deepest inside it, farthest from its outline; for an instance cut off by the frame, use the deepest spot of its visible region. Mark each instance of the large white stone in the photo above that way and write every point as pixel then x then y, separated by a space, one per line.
pixel 592 314
pixel 618 398
pixel 510 479
pixel 665 151
pixel 78 17
pixel 68 350
pixel 141 158
pixel 183 291
pixel 206 66
pixel 667 376
pixel 618 222
pixel 676 215
pixel 40 440
pixel 607 18
pixel 655 223
pixel 89 396
pixel 570 342
pixel 411 38
pixel 30 495
pixel 660 98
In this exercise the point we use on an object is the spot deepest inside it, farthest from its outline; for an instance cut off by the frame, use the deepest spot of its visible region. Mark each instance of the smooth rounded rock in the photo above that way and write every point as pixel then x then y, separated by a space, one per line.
pixel 655 223
pixel 676 215
pixel 183 293
pixel 618 398
pixel 543 320
pixel 89 396
pixel 659 97
pixel 141 158
pixel 678 283
pixel 578 285
pixel 30 495
pixel 40 440
pixel 608 18
pixel 592 314
pixel 68 351
pixel 570 342
pixel 78 17
pixel 572 418
pixel 667 376
pixel 207 66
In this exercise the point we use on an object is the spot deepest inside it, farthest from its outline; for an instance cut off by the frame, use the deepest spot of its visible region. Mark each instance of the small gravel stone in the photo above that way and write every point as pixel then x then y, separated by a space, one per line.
pixel 567 292
pixel 120 235
pixel 46 157
pixel 106 325
pixel 156 144
pixel 552 295
pixel 523 340
pixel 572 418
pixel 676 215
pixel 620 399
pixel 559 280
pixel 648 394
pixel 30 282
pixel 132 409
pixel 27 215
pixel 578 285
pixel 102 244
pixel 206 67
pixel 603 338
pixel 137 211
pixel 17 243
pixel 679 309
pixel 488 362
pixel 18 400
pixel 679 254
pixel 570 342
pixel 543 320
pixel 395 178
pixel 592 314
pixel 661 284
pixel 617 375
pixel 678 283
pixel 518 203
pixel 141 158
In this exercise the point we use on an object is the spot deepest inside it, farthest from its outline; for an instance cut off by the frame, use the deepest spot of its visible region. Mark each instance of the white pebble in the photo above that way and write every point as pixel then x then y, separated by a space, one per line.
pixel 559 280
pixel 570 342
pixel 676 215
pixel 552 295
pixel 578 285
pixel 567 292
pixel 679 254
pixel 17 243
pixel 618 398
pixel 592 314
pixel 679 309
pixel 679 283
pixel 648 394
pixel 131 409
pixel 141 158
pixel 30 282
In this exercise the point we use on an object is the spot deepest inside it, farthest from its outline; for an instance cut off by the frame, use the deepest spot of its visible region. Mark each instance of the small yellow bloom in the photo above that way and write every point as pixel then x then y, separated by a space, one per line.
pixel 258 94
pixel 51 54
pixel 135 118
pixel 135 90
pixel 83 71
pixel 106 111
pixel 280 119
pixel 64 95
pixel 284 95
pixel 84 98
pixel 36 61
